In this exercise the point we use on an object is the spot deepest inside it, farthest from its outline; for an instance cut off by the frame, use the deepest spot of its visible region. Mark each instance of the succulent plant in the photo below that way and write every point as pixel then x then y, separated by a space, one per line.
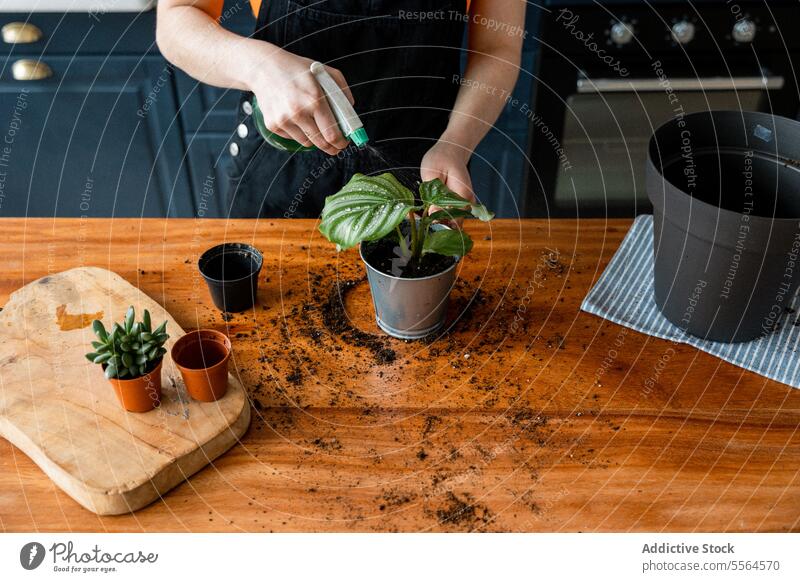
pixel 369 208
pixel 131 349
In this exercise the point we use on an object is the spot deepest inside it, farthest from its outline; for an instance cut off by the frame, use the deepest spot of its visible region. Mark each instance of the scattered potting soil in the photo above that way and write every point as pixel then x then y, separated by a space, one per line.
pixel 393 499
pixel 296 377
pixel 305 387
pixel 329 444
pixel 431 422
pixel 384 256
pixel 336 321
pixel 462 511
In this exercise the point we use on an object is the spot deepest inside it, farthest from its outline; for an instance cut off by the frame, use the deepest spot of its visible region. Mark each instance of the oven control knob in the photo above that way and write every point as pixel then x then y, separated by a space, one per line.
pixel 744 31
pixel 683 32
pixel 621 33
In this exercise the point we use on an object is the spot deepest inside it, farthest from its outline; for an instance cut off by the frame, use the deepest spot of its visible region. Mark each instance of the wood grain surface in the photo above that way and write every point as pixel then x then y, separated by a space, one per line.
pixel 59 409
pixel 525 415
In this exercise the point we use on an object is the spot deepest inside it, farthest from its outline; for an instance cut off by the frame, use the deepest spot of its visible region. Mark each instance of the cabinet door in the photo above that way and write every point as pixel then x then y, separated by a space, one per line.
pixel 208 161
pixel 204 107
pixel 496 169
pixel 209 108
pixel 97 137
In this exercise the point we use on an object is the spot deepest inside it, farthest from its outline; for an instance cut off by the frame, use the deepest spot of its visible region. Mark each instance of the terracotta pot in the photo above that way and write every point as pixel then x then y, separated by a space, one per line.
pixel 140 394
pixel 202 357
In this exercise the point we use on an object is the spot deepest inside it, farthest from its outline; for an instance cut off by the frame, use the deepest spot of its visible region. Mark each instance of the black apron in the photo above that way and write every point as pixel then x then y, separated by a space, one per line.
pixel 402 62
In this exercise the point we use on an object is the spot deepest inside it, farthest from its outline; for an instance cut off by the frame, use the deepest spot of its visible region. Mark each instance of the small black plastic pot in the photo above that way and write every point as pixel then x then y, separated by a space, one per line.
pixel 231 273
pixel 725 188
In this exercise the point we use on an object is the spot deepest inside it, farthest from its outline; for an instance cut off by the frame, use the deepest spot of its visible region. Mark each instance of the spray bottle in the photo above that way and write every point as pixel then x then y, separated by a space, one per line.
pixel 346 117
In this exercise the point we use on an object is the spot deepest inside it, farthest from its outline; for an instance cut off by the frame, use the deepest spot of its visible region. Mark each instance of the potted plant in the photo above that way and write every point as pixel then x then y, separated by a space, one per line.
pixel 410 256
pixel 131 356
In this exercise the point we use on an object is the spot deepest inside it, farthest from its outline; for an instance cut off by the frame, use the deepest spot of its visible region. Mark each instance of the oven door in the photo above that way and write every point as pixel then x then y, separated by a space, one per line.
pixel 596 167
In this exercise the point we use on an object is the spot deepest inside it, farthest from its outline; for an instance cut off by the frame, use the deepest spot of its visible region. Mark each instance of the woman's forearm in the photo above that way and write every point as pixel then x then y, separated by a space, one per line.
pixel 191 39
pixel 290 99
pixel 491 72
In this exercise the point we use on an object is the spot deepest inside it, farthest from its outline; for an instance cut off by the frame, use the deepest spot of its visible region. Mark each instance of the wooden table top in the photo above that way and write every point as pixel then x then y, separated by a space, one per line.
pixel 526 415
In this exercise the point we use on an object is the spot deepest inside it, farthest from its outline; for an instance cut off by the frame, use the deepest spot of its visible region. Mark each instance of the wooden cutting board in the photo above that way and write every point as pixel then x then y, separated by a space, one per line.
pixel 59 409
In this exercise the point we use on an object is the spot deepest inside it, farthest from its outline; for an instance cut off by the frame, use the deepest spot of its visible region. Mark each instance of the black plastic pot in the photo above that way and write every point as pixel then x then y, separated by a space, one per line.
pixel 725 187
pixel 231 272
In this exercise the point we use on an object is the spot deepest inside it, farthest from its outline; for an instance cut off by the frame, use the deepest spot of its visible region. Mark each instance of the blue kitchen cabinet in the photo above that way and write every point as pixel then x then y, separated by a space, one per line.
pixel 500 162
pixel 98 137
pixel 208 115
pixel 83 33
pixel 496 168
pixel 207 155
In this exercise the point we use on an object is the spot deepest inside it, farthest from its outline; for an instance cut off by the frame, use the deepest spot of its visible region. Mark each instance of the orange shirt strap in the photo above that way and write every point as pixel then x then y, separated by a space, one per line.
pixel 256 4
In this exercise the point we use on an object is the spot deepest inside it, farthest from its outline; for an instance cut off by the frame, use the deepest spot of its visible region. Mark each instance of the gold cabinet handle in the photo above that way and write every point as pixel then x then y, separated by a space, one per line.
pixel 21 33
pixel 30 70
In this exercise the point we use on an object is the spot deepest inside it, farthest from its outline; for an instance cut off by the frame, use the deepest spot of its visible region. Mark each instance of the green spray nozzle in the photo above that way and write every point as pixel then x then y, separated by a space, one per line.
pixel 359 137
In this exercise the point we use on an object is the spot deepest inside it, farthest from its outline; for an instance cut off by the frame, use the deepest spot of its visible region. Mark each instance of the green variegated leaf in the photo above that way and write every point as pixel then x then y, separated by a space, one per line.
pixel 102 358
pixel 435 193
pixel 452 243
pixel 450 214
pixel 366 209
pixel 91 356
pixel 480 212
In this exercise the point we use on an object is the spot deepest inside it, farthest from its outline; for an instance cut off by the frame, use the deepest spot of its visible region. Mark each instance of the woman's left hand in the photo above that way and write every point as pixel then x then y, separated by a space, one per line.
pixel 448 162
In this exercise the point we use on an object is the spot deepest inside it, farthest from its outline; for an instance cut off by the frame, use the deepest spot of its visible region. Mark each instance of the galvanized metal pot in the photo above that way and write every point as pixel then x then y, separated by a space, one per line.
pixel 410 308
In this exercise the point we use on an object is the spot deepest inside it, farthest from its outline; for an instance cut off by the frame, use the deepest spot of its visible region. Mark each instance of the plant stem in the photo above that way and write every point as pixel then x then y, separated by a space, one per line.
pixel 412 223
pixel 402 241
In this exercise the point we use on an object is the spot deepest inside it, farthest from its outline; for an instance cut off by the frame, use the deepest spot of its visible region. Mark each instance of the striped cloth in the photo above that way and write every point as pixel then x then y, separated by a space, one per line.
pixel 624 295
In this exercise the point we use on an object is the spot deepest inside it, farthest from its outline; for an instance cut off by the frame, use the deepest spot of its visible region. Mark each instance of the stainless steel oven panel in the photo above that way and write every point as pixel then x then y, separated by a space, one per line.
pixel 605 141
pixel 681 84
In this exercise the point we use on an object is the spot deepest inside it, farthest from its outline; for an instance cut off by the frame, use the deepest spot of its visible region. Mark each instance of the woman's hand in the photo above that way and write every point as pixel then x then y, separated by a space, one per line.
pixel 448 162
pixel 293 103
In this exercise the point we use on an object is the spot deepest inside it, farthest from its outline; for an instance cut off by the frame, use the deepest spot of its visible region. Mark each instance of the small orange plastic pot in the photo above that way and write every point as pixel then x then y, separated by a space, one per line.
pixel 140 394
pixel 202 358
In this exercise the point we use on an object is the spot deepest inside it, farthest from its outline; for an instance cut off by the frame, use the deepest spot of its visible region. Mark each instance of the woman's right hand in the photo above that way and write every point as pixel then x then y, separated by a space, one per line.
pixel 293 103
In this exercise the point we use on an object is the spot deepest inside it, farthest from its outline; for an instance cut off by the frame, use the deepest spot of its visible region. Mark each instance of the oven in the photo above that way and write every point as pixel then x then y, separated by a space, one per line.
pixel 609 73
